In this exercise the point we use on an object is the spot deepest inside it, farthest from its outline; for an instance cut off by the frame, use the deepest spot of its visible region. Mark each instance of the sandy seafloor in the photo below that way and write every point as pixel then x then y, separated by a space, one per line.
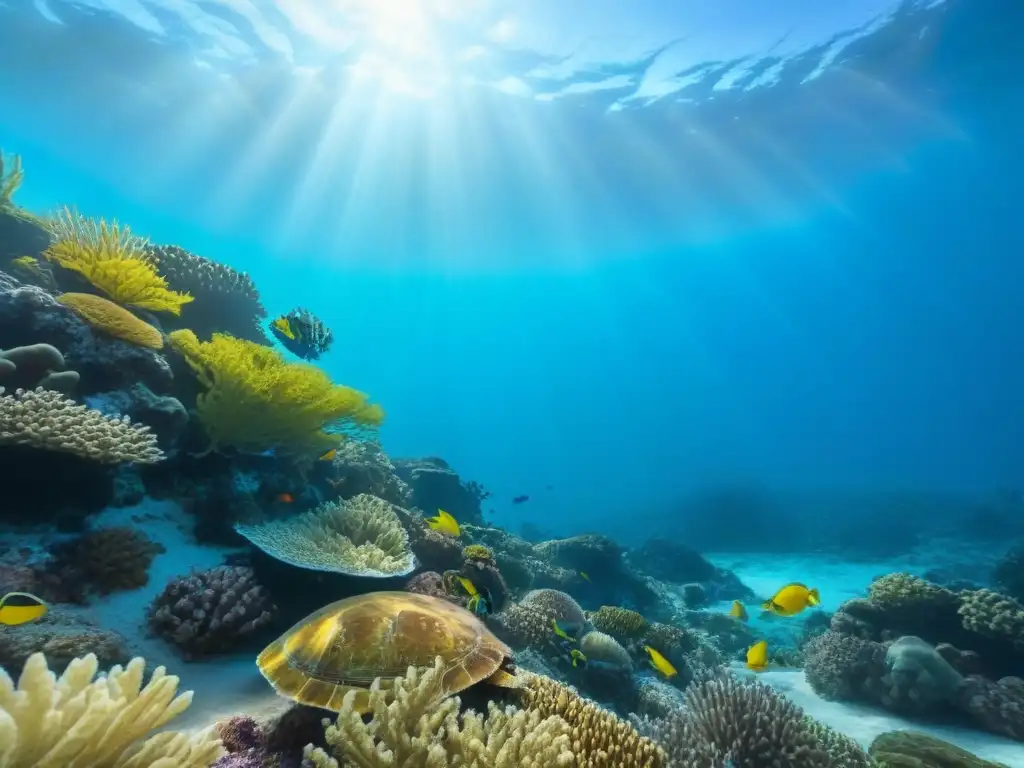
pixel 232 685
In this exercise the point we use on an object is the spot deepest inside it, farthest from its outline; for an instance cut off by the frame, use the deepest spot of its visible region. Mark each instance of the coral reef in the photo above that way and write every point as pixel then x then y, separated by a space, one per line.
pixel 47 420
pixel 60 636
pixel 362 467
pixel 210 611
pixel 76 721
pixel 103 561
pixel 360 537
pixel 417 728
pixel 434 485
pixel 528 623
pixel 909 749
pixel 165 416
pixel 618 622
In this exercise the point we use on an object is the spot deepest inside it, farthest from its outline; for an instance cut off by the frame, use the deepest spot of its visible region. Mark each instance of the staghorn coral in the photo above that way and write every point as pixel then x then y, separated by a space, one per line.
pixel 210 611
pixel 415 731
pixel 745 722
pixel 113 261
pixel 997 707
pixel 601 649
pixel 225 301
pixel 359 537
pixel 618 622
pixel 993 615
pixel 104 560
pixel 256 401
pixel 35 365
pixel 109 318
pixel 76 721
pixel 46 420
pixel 597 736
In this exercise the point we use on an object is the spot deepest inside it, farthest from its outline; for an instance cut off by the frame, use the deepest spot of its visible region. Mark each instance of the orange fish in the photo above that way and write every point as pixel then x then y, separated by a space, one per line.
pixel 287 498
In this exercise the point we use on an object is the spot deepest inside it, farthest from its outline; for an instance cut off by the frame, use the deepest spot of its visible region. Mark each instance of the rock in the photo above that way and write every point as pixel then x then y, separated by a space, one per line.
pixel 668 560
pixel 21 235
pixel 435 486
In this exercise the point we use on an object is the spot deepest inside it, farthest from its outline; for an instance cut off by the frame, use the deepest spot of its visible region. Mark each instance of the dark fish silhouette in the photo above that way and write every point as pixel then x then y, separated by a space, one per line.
pixel 520 499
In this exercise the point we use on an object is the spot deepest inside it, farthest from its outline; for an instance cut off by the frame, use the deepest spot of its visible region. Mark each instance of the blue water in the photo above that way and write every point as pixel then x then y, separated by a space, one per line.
pixel 629 253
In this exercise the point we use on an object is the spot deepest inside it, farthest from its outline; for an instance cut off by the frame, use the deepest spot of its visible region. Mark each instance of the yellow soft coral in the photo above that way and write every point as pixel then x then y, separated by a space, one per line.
pixel 76 721
pixel 255 400
pixel 112 260
pixel 116 321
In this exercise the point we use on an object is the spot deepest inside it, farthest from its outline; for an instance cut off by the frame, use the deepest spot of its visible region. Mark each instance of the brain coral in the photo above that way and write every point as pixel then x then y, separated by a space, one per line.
pixel 359 537
pixel 108 317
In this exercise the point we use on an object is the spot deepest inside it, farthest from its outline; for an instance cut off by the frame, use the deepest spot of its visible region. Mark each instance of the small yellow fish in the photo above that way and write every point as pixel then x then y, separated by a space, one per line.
pixel 585 575
pixel 757 656
pixel 444 523
pixel 329 456
pixel 561 632
pixel 738 611
pixel 20 608
pixel 792 599
pixel 478 603
pixel 660 663
pixel 578 657
pixel 284 327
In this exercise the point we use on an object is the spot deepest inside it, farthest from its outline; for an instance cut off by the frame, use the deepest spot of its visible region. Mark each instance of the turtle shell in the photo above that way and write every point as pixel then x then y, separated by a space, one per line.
pixel 346 645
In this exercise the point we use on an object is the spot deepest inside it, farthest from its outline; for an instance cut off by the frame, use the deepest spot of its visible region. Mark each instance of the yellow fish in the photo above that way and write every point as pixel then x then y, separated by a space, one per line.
pixel 478 603
pixel 792 599
pixel 329 456
pixel 578 657
pixel 584 575
pixel 738 611
pixel 757 656
pixel 444 523
pixel 20 608
pixel 660 663
pixel 561 632
pixel 284 327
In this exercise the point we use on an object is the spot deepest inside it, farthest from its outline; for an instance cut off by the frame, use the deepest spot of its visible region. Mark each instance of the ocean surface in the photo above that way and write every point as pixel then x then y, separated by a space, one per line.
pixel 742 275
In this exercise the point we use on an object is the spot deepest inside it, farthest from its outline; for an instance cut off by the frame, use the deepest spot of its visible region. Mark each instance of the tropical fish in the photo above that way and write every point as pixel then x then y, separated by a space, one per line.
pixel 282 325
pixel 521 499
pixel 660 663
pixel 738 611
pixel 792 599
pixel 444 523
pixel 329 456
pixel 757 656
pixel 20 608
pixel 286 498
pixel 561 632
pixel 584 575
pixel 578 658
pixel 479 599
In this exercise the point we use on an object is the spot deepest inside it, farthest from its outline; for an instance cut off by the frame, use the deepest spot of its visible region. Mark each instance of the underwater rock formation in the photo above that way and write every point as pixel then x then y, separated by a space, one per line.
pixel 36 365
pixel 211 611
pixel 671 561
pixel 363 467
pixel 165 416
pixel 435 485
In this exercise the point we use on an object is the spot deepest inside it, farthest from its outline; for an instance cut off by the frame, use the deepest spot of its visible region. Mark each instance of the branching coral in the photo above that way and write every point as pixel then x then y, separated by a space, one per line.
pixel 360 537
pixel 256 401
pixel 113 260
pixel 598 737
pixel 619 622
pixel 76 721
pixel 46 420
pixel 113 320
pixel 104 560
pixel 210 611
pixel 415 731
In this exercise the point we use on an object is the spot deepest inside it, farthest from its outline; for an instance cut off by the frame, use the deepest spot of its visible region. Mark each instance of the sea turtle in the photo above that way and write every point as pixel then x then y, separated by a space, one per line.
pixel 346 645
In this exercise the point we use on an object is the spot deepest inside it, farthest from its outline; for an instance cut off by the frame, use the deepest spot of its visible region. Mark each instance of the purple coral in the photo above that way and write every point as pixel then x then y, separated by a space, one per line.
pixel 210 611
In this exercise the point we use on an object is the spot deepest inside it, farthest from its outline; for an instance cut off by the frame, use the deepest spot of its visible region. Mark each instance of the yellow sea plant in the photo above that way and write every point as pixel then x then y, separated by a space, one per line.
pixel 255 400
pixel 10 179
pixel 113 260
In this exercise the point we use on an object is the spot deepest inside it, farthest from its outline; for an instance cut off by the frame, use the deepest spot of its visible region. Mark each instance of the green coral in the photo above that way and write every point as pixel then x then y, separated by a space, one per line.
pixel 113 261
pixel 257 401
pixel 360 537
pixel 619 622
pixel 909 749
pixel 478 552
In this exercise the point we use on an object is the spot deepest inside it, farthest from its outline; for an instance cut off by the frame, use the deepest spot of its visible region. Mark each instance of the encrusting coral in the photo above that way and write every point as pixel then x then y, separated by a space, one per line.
pixel 109 318
pixel 76 721
pixel 359 537
pixel 418 730
pixel 43 419
pixel 210 611
pixel 112 260
pixel 256 401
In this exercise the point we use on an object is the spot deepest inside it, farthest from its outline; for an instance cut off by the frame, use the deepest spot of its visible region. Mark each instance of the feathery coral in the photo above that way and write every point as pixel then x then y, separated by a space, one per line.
pixel 113 260
pixel 414 730
pixel 256 401
pixel 114 320
pixel 45 419
pixel 360 537
pixel 76 721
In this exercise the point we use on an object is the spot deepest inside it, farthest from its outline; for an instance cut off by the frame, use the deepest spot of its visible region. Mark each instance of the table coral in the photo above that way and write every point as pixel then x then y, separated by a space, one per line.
pixel 210 611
